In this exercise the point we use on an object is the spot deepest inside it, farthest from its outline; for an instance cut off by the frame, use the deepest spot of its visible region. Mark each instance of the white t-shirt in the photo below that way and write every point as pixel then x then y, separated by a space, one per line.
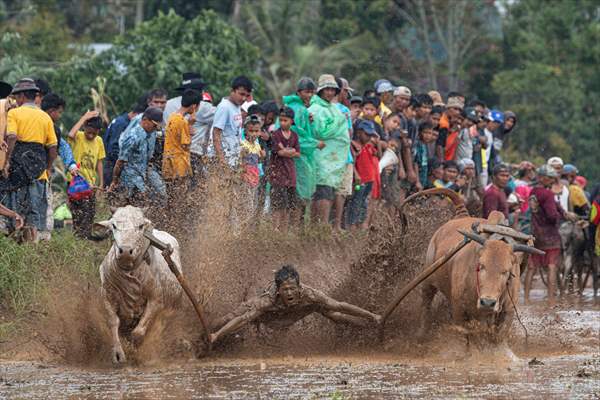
pixel 228 118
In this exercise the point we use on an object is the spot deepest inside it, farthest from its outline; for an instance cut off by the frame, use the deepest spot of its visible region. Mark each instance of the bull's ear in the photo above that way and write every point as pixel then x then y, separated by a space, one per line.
pixel 103 224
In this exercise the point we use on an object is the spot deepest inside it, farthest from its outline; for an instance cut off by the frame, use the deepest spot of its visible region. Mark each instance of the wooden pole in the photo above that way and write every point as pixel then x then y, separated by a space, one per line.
pixel 166 252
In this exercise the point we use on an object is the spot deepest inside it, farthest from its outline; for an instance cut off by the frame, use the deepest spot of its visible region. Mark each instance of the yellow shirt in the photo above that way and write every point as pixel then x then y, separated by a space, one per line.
pixel 176 156
pixel 87 153
pixel 576 197
pixel 31 124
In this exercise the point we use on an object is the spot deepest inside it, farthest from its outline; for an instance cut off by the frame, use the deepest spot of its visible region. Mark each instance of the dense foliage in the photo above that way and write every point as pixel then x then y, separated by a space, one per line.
pixel 535 58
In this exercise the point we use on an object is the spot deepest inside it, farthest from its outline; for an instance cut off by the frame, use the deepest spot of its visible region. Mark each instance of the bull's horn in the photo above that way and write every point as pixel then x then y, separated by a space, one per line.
pixel 473 236
pixel 527 249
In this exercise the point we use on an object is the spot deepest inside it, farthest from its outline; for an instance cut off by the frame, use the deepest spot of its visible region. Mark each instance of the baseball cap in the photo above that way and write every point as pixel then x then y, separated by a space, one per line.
pixel 367 126
pixel 547 170
pixel 471 114
pixel 356 99
pixel 286 112
pixel 346 85
pixel 496 116
pixel 402 91
pixel 384 86
pixel 570 169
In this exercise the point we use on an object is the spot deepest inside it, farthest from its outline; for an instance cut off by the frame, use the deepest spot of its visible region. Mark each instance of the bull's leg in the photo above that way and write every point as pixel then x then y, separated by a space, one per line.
pixel 427 294
pixel 150 312
pixel 118 355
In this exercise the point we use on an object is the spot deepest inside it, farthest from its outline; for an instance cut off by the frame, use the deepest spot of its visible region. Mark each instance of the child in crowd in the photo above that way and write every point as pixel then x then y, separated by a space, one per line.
pixel 176 165
pixel 365 173
pixel 436 171
pixel 391 190
pixel 282 170
pixel 88 150
pixel 369 108
pixel 250 154
pixel 448 180
pixel 269 110
pixel 421 154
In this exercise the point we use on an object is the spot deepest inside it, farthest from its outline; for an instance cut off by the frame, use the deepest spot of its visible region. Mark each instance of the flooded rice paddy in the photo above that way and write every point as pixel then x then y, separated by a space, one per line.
pixel 562 360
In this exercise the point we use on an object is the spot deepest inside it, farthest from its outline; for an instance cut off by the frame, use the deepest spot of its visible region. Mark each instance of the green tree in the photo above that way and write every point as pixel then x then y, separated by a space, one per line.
pixel 551 80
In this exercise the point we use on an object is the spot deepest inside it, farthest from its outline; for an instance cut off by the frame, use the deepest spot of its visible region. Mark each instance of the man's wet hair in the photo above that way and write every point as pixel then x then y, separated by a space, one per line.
pixel 241 82
pixel 269 106
pixel 437 110
pixel 52 101
pixel 190 97
pixel 423 99
pixel 450 164
pixel 155 94
pixel 284 273
pixel 94 122
pixel 255 109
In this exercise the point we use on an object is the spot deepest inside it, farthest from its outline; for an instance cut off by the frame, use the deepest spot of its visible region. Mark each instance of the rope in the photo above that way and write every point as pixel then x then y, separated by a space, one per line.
pixel 518 316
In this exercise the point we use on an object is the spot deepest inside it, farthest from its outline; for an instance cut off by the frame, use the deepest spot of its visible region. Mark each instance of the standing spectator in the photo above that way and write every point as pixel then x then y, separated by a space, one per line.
pixel 365 174
pixel 132 171
pixel 465 139
pixel 421 157
pixel 282 170
pixel 546 216
pixel 494 197
pixel 31 150
pixel 560 187
pixel 454 107
pixel 345 189
pixel 54 106
pixel 385 92
pixel 270 110
pixel 111 139
pixel 250 154
pixel 203 123
pixel 177 167
pixel 330 126
pixel 578 202
pixel 494 119
pixel 455 117
pixel 157 98
pixel 402 96
pixel 470 187
pixel 448 179
pixel 306 174
pixel 355 104
pixel 227 124
pixel 89 150
pixel 501 134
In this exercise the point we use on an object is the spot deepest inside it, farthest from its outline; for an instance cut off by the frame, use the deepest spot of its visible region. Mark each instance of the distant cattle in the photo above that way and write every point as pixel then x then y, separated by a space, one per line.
pixel 136 281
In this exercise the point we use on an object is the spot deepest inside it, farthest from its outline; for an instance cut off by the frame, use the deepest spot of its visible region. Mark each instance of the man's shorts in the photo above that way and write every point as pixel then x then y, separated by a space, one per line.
pixel 552 256
pixel 31 202
pixel 345 188
pixel 284 198
pixel 323 192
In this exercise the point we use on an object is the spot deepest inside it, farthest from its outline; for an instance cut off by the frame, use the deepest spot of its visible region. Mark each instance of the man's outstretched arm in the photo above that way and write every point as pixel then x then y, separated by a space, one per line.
pixel 346 308
pixel 236 323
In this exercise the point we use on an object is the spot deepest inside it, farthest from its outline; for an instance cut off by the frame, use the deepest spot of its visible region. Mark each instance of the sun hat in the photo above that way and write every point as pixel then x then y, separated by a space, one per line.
pixel 555 160
pixel 455 102
pixel 437 98
pixel 327 81
pixel 25 85
pixel 547 170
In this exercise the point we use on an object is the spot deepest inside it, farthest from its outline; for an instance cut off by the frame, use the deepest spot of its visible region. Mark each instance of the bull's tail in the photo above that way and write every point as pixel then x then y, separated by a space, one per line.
pixel 457 200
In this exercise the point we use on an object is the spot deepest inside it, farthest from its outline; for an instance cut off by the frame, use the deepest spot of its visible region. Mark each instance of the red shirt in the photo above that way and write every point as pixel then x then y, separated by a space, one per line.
pixel 365 163
pixel 282 170
pixel 546 220
pixel 494 199
pixel 451 146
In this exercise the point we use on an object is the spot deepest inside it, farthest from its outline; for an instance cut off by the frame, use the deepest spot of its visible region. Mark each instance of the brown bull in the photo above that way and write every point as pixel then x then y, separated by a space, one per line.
pixel 480 279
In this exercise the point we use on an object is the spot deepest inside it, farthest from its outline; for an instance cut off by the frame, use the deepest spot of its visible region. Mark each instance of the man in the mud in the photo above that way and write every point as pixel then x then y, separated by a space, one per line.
pixel 287 301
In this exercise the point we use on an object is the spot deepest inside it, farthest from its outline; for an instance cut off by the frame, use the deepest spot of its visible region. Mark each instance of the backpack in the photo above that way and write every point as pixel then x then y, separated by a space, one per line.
pixel 79 189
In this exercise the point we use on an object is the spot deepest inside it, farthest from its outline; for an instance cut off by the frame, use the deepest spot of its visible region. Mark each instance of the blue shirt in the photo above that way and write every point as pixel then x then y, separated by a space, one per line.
pixel 112 135
pixel 228 118
pixel 136 148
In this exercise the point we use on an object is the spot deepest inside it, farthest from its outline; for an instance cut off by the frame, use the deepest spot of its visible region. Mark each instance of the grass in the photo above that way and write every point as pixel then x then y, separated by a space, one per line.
pixel 27 270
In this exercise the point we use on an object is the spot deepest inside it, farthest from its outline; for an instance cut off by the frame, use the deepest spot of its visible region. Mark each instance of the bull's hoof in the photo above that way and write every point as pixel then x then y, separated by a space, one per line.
pixel 137 336
pixel 118 356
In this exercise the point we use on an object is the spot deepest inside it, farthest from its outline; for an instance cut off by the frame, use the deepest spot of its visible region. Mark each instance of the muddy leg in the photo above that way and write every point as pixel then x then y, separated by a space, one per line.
pixel 528 278
pixel 552 278
pixel 118 355
pixel 152 308
pixel 427 294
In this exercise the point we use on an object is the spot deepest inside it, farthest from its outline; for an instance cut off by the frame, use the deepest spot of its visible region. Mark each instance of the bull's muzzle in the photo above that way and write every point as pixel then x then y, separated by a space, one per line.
pixel 125 255
pixel 487 303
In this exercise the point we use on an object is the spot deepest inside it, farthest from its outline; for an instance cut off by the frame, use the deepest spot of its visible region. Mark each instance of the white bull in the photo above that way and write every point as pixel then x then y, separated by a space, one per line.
pixel 136 281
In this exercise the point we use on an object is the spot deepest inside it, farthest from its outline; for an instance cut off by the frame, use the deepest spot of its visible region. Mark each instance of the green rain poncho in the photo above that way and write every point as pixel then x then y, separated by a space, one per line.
pixel 306 178
pixel 330 126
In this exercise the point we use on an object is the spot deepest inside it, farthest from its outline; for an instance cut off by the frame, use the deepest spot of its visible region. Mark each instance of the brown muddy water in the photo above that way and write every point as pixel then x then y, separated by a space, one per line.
pixel 565 340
